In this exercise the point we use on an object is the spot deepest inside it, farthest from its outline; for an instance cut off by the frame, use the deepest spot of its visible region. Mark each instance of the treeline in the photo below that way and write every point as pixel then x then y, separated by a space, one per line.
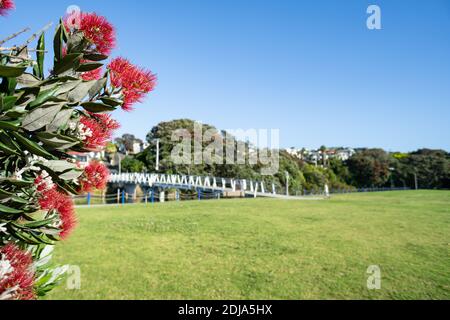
pixel 367 168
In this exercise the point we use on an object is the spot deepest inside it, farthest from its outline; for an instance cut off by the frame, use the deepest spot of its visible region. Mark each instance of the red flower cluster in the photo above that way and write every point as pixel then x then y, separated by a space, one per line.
pixel 95 176
pixel 51 199
pixel 5 6
pixel 134 81
pixel 101 127
pixel 97 30
pixel 16 274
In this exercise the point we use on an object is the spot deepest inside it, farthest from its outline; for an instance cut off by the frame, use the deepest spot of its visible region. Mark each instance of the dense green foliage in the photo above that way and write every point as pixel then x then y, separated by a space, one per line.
pixel 130 164
pixel 264 249
pixel 302 176
pixel 368 168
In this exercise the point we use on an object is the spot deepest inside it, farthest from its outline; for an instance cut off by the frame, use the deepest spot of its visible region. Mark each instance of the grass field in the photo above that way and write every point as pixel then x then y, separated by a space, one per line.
pixel 264 249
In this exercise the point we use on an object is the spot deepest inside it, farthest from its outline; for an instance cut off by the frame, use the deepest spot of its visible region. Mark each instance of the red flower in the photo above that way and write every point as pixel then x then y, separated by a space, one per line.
pixel 134 81
pixel 51 199
pixel 106 122
pixel 16 274
pixel 92 75
pixel 97 130
pixel 97 30
pixel 5 6
pixel 95 176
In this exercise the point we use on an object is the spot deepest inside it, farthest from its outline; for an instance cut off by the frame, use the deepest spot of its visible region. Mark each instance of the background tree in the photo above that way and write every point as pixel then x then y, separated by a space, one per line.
pixel 370 168
pixel 130 164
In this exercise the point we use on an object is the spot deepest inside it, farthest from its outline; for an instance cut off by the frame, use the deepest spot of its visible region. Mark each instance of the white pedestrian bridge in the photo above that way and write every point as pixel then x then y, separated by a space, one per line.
pixel 187 182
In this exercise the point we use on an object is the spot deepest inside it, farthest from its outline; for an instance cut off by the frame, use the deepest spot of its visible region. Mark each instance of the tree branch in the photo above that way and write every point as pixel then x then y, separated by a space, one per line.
pixel 14 35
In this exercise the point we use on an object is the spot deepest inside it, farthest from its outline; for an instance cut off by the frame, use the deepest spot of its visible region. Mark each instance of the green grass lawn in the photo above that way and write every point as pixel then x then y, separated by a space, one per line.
pixel 264 249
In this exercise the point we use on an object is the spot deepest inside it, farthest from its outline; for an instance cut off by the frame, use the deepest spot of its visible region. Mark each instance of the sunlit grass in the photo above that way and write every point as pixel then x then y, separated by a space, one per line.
pixel 264 249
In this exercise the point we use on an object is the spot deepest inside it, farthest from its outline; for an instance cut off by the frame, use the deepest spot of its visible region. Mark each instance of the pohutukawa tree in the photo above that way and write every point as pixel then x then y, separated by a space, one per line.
pixel 45 119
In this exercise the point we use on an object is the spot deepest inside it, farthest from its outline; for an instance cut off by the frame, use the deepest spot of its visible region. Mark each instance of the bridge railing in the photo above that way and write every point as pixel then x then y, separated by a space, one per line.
pixel 204 182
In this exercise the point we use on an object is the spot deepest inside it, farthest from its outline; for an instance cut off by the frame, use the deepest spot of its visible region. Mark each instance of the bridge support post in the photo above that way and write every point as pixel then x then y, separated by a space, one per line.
pixel 153 195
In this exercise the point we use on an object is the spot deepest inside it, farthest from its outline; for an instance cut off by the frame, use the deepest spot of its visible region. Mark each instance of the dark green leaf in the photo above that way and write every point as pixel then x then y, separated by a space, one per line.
pixel 9 125
pixel 95 57
pixel 89 66
pixel 97 107
pixel 44 96
pixel 7 103
pixel 11 72
pixel 32 146
pixel 68 62
pixel 40 54
pixel 111 101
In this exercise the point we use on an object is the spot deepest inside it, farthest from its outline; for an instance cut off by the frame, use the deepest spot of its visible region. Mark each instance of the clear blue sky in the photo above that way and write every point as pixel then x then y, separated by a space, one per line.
pixel 309 68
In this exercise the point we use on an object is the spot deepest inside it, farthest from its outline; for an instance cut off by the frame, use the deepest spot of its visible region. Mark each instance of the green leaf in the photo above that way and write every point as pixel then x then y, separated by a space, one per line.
pixel 68 62
pixel 97 87
pixel 57 141
pixel 95 57
pixel 40 55
pixel 67 86
pixel 76 42
pixel 8 141
pixel 5 149
pixel 19 200
pixel 43 97
pixel 71 175
pixel 26 95
pixel 40 117
pixel 89 66
pixel 59 166
pixel 9 125
pixel 32 146
pixel 16 112
pixel 81 91
pixel 97 107
pixel 5 209
pixel 12 84
pixel 7 103
pixel 27 79
pixel 60 121
pixel 11 72
pixel 64 185
pixel 39 224
pixel 15 182
pixel 58 42
pixel 111 101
